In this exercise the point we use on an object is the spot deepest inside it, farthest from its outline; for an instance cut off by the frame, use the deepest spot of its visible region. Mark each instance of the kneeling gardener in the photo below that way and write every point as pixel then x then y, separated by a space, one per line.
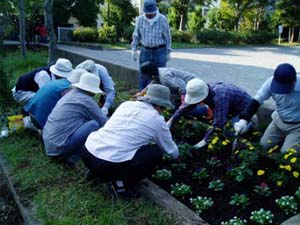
pixel 120 151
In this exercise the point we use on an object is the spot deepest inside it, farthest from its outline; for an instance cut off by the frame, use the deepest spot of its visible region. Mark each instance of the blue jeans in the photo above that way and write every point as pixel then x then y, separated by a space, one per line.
pixel 77 140
pixel 158 56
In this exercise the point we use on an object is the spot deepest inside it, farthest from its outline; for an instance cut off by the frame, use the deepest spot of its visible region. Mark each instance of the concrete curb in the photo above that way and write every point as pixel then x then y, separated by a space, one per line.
pixel 26 212
pixel 183 215
pixel 295 220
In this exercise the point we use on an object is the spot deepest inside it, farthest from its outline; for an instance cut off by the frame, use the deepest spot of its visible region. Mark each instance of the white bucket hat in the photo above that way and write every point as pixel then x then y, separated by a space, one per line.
pixel 157 94
pixel 89 82
pixel 62 68
pixel 75 77
pixel 196 91
pixel 88 65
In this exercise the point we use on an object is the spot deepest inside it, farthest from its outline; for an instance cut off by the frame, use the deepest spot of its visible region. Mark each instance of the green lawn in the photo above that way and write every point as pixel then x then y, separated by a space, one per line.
pixel 60 194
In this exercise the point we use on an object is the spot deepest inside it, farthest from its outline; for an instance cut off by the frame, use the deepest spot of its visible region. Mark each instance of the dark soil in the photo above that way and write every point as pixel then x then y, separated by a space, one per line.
pixel 9 212
pixel 222 210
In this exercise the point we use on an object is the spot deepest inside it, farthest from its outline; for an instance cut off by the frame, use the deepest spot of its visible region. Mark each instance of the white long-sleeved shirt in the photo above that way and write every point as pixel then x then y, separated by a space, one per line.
pixel 133 124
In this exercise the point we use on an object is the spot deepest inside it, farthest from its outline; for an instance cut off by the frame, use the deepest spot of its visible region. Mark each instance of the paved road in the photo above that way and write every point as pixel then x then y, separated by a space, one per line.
pixel 247 67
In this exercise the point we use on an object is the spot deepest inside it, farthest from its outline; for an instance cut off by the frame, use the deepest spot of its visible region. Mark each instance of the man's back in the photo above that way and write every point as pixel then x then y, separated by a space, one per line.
pixel 45 99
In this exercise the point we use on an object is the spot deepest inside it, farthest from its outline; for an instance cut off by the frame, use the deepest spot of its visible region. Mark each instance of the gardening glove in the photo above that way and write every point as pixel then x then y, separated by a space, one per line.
pixel 169 123
pixel 240 127
pixel 134 55
pixel 200 144
pixel 104 110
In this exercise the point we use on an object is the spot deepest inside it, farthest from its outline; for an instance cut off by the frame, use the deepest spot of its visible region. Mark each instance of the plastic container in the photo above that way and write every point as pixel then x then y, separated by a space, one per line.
pixel 4 132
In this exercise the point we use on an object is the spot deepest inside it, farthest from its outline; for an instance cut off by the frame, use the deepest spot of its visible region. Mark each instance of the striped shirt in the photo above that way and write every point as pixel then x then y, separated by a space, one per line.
pixel 151 35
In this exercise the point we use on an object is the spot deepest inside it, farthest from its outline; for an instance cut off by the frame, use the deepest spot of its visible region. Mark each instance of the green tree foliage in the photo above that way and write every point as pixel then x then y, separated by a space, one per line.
pixel 287 13
pixel 86 11
pixel 179 11
pixel 61 12
pixel 195 20
pixel 239 7
pixel 118 13
pixel 222 18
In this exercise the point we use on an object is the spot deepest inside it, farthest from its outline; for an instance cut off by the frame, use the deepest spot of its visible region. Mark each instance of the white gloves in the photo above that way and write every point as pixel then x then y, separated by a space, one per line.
pixel 240 127
pixel 200 144
pixel 104 110
pixel 169 123
pixel 134 55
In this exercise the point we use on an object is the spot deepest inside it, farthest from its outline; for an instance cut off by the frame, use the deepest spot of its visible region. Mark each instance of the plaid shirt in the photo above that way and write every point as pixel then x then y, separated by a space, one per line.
pixel 151 35
pixel 226 100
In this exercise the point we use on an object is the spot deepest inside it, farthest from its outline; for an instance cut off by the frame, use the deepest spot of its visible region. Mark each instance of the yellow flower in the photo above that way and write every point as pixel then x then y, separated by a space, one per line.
pixel 224 143
pixel 236 152
pixel 291 150
pixel 215 140
pixel 210 146
pixel 281 166
pixel 227 140
pixel 273 149
pixel 251 148
pixel 279 183
pixel 288 168
pixel 260 172
pixel 293 160
pixel 287 155
pixel 296 174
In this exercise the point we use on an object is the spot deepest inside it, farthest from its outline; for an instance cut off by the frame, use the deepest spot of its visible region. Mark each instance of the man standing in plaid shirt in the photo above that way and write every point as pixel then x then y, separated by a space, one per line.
pixel 152 31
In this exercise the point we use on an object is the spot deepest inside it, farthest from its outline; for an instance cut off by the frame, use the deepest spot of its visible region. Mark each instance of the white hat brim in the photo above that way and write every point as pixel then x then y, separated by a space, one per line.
pixel 60 73
pixel 95 90
pixel 156 101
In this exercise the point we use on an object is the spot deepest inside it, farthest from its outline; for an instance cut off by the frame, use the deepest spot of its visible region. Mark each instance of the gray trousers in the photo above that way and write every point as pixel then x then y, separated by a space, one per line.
pixel 280 133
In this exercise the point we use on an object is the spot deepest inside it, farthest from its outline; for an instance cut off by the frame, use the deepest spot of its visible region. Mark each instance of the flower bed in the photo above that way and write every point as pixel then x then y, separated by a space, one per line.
pixel 226 186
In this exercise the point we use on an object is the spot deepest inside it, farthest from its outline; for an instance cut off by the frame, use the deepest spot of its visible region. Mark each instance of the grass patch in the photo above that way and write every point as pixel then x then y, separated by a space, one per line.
pixel 59 194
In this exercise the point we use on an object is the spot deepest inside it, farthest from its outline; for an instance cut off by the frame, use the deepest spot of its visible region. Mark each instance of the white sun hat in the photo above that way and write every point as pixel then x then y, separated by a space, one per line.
pixel 89 82
pixel 89 65
pixel 75 77
pixel 62 68
pixel 196 91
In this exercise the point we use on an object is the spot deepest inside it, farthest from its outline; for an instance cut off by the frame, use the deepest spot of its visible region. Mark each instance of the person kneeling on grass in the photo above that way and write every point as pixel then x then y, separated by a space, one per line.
pixel 224 100
pixel 120 150
pixel 42 103
pixel 73 118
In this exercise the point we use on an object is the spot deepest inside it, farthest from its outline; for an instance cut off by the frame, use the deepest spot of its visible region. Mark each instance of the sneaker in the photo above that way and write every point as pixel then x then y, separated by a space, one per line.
pixel 121 192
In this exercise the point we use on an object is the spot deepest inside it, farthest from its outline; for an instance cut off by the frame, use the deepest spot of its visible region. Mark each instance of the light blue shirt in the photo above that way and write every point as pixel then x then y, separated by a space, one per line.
pixel 152 34
pixel 107 85
pixel 41 105
pixel 288 105
pixel 71 112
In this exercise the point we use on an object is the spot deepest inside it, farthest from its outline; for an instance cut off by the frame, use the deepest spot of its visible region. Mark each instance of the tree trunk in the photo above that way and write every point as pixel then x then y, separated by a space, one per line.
pixel 289 36
pixel 181 23
pixel 22 28
pixel 292 34
pixel 298 35
pixel 48 6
